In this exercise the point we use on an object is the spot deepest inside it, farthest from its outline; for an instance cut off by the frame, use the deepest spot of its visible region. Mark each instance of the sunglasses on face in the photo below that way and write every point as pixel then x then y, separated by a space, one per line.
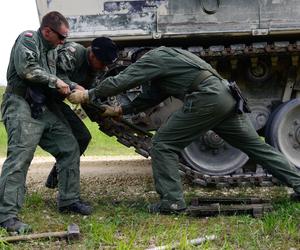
pixel 60 36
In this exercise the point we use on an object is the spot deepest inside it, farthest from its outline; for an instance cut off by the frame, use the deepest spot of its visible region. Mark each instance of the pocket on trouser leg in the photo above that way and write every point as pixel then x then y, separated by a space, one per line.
pixel 22 132
pixel 2 189
pixel 13 129
pixel 12 194
pixel 30 133
pixel 69 184
pixel 20 197
pixel 73 180
pixel 199 103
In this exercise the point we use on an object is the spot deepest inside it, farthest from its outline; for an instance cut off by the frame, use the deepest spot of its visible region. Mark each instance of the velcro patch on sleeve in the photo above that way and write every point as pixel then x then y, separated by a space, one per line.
pixel 28 34
pixel 71 49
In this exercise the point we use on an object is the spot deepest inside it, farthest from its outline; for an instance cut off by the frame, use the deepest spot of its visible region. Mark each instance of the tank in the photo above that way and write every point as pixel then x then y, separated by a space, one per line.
pixel 255 43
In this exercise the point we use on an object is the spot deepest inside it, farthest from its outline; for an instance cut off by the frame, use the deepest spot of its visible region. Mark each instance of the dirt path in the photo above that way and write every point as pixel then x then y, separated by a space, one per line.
pixel 101 167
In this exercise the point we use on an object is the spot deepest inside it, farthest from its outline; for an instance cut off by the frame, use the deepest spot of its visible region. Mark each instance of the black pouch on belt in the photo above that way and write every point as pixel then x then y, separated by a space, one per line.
pixel 241 102
pixel 36 100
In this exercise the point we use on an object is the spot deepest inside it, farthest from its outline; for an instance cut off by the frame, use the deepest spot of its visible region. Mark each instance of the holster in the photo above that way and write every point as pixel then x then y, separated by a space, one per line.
pixel 36 100
pixel 241 102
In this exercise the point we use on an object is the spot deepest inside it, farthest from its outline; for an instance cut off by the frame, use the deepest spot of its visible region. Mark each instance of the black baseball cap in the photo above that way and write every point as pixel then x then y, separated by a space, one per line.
pixel 105 50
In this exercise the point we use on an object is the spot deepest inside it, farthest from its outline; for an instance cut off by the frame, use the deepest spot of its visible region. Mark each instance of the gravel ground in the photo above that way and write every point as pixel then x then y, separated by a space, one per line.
pixel 122 176
pixel 99 175
pixel 95 166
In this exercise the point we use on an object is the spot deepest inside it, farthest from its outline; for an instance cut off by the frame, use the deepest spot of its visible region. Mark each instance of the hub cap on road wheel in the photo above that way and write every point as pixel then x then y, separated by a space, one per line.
pixel 210 154
pixel 283 132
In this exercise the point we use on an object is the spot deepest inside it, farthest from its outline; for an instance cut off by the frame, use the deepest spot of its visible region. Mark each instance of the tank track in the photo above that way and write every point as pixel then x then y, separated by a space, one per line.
pixel 131 135
pixel 254 49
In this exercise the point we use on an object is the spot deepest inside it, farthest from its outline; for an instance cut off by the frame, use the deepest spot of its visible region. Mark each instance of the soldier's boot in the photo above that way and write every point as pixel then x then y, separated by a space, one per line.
pixel 159 208
pixel 52 180
pixel 78 207
pixel 15 225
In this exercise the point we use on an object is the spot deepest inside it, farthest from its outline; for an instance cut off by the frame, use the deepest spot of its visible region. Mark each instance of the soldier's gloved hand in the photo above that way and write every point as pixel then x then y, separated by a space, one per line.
pixel 74 85
pixel 62 87
pixel 79 96
pixel 79 87
pixel 112 111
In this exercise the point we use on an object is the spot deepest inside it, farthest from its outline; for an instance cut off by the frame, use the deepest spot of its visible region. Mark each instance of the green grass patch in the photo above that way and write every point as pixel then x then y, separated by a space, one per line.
pixel 122 222
pixel 100 145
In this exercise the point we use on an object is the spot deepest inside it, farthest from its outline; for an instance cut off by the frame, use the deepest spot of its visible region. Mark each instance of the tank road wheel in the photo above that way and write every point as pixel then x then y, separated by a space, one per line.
pixel 259 116
pixel 211 155
pixel 283 131
pixel 259 71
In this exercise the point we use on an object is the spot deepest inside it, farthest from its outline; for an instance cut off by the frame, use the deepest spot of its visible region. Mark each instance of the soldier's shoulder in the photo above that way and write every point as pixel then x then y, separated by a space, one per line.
pixel 29 39
pixel 154 52
pixel 157 50
pixel 29 35
pixel 71 48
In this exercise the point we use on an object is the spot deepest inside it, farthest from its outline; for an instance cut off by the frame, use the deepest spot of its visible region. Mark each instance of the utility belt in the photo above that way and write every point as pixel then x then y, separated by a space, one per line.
pixel 241 102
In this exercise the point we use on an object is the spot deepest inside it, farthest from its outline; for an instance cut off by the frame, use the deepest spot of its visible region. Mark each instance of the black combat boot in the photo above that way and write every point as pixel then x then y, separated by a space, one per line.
pixel 52 180
pixel 78 207
pixel 15 225
pixel 157 208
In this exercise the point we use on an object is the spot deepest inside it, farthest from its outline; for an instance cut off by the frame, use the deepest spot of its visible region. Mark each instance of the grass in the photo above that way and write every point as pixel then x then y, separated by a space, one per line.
pixel 100 145
pixel 120 220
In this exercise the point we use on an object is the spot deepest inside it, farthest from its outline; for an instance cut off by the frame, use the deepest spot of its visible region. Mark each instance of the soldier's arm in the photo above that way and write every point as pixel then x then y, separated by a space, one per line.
pixel 150 97
pixel 26 57
pixel 138 73
pixel 66 79
pixel 66 65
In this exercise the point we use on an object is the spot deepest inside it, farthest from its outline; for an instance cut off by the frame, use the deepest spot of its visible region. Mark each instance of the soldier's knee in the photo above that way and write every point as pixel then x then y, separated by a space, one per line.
pixel 157 147
pixel 71 149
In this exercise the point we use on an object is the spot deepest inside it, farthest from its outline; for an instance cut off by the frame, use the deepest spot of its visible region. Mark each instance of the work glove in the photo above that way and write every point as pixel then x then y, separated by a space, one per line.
pixel 112 111
pixel 79 87
pixel 79 96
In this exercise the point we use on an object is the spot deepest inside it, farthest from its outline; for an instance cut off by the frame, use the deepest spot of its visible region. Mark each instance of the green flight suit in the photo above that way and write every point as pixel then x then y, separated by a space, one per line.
pixel 33 63
pixel 73 68
pixel 207 104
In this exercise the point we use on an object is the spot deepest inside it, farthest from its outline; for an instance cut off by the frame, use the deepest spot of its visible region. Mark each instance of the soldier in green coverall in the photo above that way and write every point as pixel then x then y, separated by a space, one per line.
pixel 30 119
pixel 79 67
pixel 207 104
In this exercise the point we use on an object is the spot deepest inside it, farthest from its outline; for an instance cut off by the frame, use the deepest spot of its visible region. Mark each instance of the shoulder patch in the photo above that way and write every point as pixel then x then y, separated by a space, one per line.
pixel 28 34
pixel 72 49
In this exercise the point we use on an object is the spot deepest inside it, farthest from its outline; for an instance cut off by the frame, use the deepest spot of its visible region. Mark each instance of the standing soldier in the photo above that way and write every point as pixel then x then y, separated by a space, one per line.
pixel 207 104
pixel 30 120
pixel 78 67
